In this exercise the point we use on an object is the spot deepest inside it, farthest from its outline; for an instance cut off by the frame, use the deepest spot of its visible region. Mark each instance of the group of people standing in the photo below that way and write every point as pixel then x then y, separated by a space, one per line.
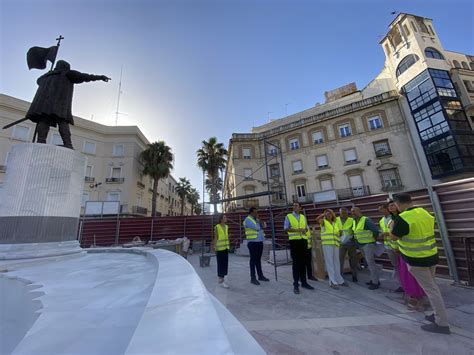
pixel 407 233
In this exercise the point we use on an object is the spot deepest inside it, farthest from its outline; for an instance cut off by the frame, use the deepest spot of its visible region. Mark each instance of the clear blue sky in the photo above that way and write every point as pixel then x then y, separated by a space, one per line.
pixel 194 69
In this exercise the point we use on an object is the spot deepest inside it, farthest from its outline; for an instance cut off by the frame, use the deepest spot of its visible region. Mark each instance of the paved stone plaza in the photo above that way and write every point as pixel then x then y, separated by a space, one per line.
pixel 351 320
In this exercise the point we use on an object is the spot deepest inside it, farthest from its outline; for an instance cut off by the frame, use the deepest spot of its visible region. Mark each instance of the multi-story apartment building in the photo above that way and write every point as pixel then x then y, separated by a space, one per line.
pixel 407 128
pixel 113 168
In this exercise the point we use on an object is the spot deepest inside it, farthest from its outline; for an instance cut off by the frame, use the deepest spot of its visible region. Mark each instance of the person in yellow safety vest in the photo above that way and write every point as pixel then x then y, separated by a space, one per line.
pixel 414 230
pixel 296 226
pixel 330 240
pixel 384 223
pixel 414 294
pixel 255 236
pixel 309 255
pixel 220 243
pixel 348 246
pixel 365 234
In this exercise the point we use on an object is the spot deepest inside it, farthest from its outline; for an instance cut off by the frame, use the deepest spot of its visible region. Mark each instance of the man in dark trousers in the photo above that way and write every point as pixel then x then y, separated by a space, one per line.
pixel 255 236
pixel 52 104
pixel 296 226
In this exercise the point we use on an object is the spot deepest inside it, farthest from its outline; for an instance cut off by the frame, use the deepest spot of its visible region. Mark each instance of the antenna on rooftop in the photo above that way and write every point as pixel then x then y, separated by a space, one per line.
pixel 117 112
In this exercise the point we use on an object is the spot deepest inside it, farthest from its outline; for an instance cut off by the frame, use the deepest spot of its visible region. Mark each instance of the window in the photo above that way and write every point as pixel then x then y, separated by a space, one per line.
pixel 443 83
pixel 465 65
pixel 431 121
pixel 272 151
pixel 85 198
pixel 116 173
pixel 294 144
pixel 56 139
pixel 471 64
pixel 456 64
pixel 357 185
pixel 468 85
pixel 277 193
pixel 246 153
pixel 406 63
pixel 387 49
pixel 433 53
pixel 322 161
pixel 421 25
pixel 318 137
pixel 274 170
pixel 395 37
pixel 297 167
pixel 350 156
pixel 248 174
pixel 20 133
pixel 390 179
pixel 431 30
pixel 407 31
pixel 118 150
pixel 413 26
pixel 301 190
pixel 326 184
pixel 88 170
pixel 113 196
pixel 345 130
pixel 443 156
pixel 382 148
pixel 375 123
pixel 89 147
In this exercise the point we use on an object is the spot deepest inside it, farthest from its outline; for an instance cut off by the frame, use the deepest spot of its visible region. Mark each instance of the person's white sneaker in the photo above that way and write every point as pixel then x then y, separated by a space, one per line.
pixel 224 285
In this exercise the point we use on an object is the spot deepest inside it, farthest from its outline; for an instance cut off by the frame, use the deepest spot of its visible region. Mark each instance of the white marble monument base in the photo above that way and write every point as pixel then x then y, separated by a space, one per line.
pixel 41 200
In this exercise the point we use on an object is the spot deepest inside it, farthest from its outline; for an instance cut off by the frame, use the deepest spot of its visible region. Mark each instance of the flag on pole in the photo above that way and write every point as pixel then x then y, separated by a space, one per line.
pixel 37 57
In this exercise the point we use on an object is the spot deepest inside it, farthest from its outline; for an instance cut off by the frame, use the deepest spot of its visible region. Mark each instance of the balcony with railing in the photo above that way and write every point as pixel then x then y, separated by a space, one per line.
pixel 250 203
pixel 114 180
pixel 353 192
pixel 340 194
pixel 140 185
pixel 140 210
pixel 89 179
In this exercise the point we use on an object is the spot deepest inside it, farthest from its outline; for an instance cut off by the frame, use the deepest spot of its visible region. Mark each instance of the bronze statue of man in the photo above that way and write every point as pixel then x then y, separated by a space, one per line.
pixel 52 105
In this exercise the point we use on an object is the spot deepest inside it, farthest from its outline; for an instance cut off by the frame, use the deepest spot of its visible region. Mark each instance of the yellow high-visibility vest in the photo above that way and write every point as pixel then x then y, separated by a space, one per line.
pixel 222 242
pixel 347 226
pixel 387 241
pixel 420 241
pixel 249 232
pixel 296 224
pixel 309 238
pixel 362 235
pixel 330 233
pixel 393 243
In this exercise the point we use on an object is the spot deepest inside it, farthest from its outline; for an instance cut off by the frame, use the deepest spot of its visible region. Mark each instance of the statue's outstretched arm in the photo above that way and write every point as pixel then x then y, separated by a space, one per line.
pixel 77 77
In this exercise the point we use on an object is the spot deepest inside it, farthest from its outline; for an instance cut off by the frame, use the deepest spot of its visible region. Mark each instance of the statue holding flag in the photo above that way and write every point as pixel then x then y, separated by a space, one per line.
pixel 52 104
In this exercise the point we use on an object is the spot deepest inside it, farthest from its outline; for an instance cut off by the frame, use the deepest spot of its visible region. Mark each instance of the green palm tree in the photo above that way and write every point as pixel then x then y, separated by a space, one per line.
pixel 198 209
pixel 193 199
pixel 183 189
pixel 157 162
pixel 212 160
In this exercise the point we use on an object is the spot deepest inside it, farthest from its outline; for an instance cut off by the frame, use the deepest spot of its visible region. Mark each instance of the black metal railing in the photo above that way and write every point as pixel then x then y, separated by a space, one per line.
pixel 140 210
pixel 353 192
pixel 89 179
pixel 113 180
pixel 140 184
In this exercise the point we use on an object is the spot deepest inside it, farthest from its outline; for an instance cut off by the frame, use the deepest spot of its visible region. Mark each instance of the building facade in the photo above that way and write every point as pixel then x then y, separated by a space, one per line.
pixel 411 126
pixel 113 168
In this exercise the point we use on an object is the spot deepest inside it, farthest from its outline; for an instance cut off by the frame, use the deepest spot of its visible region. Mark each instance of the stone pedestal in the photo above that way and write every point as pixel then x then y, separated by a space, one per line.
pixel 40 201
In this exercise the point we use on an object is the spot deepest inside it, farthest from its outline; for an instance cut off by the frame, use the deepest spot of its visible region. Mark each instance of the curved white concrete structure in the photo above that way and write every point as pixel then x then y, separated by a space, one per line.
pixel 122 301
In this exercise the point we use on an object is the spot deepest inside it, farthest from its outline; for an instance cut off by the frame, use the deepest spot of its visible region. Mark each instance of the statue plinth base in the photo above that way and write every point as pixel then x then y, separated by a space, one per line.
pixel 40 201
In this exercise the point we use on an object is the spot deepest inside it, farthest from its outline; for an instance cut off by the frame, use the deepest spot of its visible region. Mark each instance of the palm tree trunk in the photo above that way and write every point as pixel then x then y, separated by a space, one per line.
pixel 182 206
pixel 192 209
pixel 153 197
